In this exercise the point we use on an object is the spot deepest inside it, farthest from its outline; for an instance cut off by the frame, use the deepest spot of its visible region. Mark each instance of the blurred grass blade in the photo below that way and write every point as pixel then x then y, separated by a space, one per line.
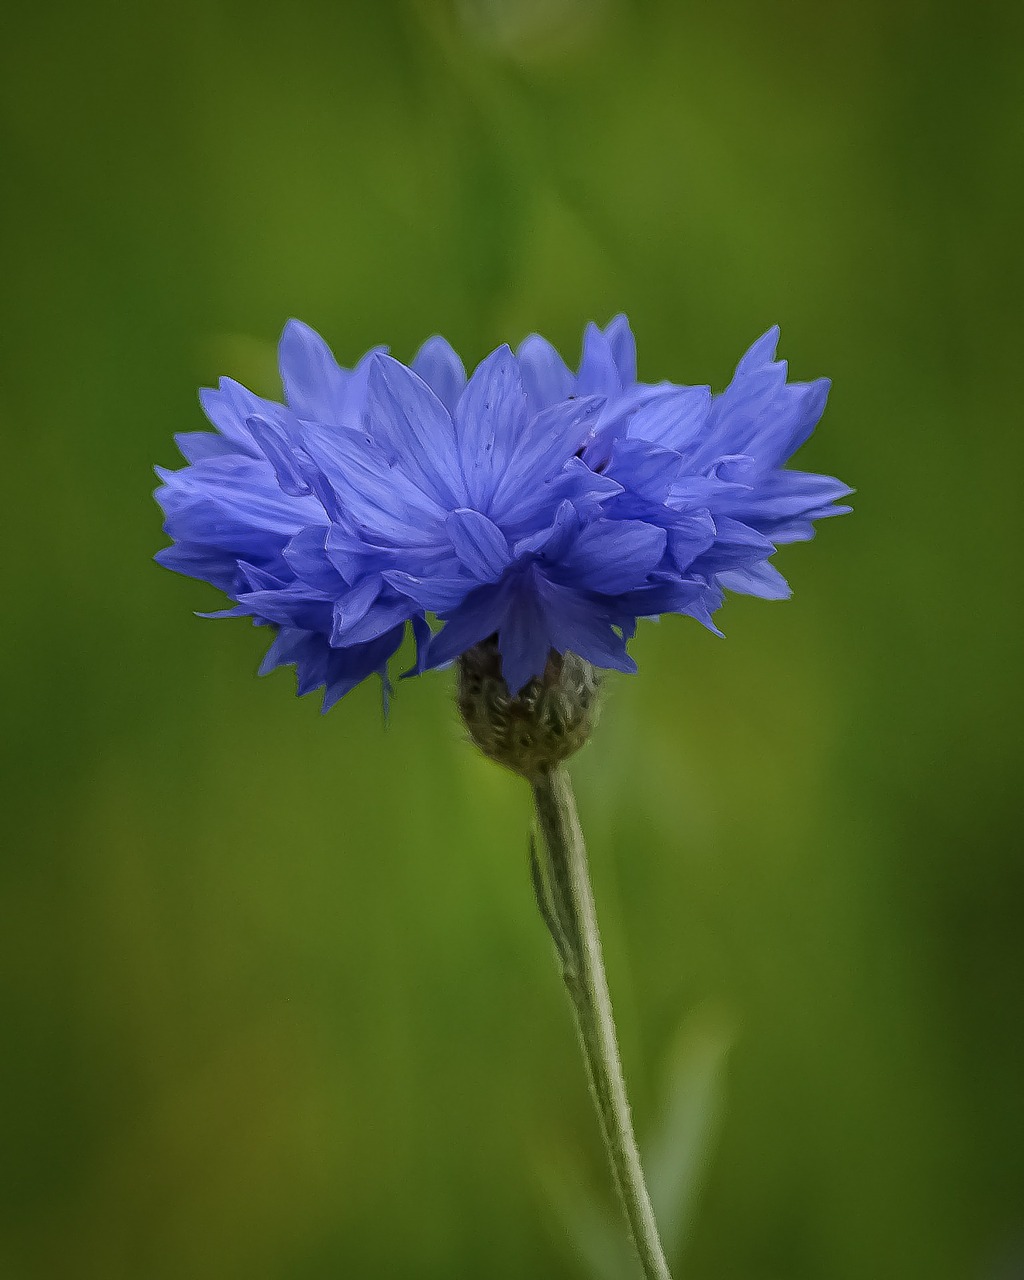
pixel 676 1154
pixel 679 1148
pixel 594 1232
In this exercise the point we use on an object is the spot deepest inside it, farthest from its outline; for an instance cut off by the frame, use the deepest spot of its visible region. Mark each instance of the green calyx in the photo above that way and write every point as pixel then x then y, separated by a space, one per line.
pixel 545 723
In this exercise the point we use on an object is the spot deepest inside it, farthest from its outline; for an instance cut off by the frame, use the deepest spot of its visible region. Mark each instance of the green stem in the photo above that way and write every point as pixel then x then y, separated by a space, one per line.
pixel 566 898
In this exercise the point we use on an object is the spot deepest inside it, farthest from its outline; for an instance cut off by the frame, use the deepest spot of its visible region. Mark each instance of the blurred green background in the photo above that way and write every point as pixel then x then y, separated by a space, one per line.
pixel 277 1004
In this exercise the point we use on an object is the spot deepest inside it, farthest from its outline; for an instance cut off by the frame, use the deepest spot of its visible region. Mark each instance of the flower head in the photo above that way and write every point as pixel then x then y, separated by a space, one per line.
pixel 546 508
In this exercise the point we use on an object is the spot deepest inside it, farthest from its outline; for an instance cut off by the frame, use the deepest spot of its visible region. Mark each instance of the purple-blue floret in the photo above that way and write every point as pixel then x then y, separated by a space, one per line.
pixel 549 508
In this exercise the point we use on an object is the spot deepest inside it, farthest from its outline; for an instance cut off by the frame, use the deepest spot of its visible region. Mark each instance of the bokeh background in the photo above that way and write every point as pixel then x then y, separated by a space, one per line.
pixel 277 1004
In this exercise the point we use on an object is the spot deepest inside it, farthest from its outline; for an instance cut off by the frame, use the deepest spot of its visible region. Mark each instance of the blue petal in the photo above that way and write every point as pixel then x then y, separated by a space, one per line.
pixel 243 490
pixel 354 555
pixel 761 579
pixel 736 546
pixel 646 470
pixel 306 555
pixel 305 650
pixel 698 491
pixel 208 564
pixel 314 385
pixel 479 544
pixel 761 353
pixel 738 414
pixel 689 536
pixel 676 418
pixel 551 544
pixel 578 623
pixel 229 406
pixel 478 616
pixel 422 636
pixel 622 346
pixel 206 524
pixel 255 577
pixel 367 612
pixel 612 556
pixel 695 598
pixel 273 441
pixel 375 493
pixel 352 608
pixel 194 446
pixel 292 606
pixel 588 491
pixel 349 667
pixel 791 421
pixel 524 641
pixel 489 422
pixel 549 441
pixel 599 374
pixel 433 592
pixel 442 370
pixel 546 376
pixel 786 500
pixel 407 419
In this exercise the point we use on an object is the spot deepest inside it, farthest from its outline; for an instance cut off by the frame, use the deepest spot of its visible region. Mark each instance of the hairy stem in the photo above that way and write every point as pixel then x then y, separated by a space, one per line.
pixel 567 902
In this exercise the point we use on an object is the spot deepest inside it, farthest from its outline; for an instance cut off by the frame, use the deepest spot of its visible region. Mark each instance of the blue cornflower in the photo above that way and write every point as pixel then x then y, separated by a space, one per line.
pixel 548 508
